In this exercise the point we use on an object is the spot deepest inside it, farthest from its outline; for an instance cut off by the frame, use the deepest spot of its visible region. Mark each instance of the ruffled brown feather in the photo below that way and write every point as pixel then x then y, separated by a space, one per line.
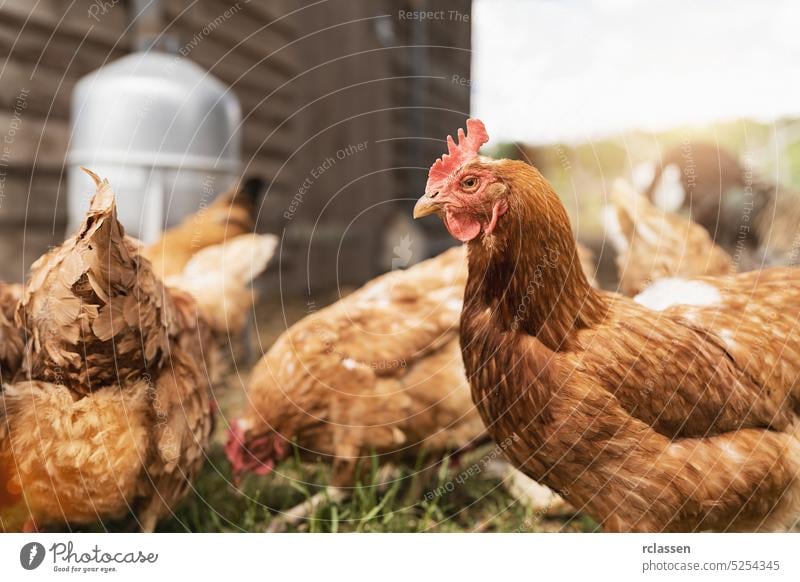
pixel 117 375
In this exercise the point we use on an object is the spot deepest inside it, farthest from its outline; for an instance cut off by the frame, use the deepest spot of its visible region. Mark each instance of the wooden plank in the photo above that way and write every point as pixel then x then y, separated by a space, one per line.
pixel 38 200
pixel 68 54
pixel 45 91
pixel 254 138
pixel 231 67
pixel 103 22
pixel 30 140
pixel 265 106
pixel 270 13
pixel 20 246
pixel 232 26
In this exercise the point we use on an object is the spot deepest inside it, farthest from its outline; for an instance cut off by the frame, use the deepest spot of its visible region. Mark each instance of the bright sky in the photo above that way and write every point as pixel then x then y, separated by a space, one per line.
pixel 573 70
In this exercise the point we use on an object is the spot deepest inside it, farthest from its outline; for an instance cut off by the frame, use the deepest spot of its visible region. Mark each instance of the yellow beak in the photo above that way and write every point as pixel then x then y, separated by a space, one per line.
pixel 425 206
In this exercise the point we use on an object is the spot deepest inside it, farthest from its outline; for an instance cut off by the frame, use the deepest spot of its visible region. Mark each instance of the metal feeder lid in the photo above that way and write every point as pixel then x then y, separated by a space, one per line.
pixel 155 109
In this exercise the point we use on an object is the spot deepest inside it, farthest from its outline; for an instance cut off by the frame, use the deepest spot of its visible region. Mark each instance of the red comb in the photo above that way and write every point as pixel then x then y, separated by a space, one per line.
pixel 466 149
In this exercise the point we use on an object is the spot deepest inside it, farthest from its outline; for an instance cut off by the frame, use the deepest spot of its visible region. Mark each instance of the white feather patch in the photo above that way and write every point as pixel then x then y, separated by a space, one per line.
pixel 669 194
pixel 614 230
pixel 727 337
pixel 665 293
pixel 643 175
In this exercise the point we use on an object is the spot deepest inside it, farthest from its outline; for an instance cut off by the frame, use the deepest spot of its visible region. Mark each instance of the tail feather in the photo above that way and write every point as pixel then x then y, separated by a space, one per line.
pixel 219 278
pixel 94 304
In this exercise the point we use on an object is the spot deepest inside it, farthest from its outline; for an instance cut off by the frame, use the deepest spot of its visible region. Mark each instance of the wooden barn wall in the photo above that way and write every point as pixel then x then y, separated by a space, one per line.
pixel 377 98
pixel 353 81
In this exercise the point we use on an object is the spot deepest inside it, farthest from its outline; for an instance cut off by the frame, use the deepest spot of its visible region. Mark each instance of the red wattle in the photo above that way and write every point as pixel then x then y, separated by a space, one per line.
pixel 461 225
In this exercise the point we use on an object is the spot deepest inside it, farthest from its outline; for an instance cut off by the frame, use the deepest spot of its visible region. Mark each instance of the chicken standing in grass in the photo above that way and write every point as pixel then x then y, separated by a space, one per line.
pixel 653 244
pixel 682 417
pixel 109 413
pixel 377 371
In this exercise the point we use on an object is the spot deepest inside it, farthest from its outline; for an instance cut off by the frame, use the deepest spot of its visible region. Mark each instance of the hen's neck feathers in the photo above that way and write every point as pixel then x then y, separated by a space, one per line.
pixel 528 273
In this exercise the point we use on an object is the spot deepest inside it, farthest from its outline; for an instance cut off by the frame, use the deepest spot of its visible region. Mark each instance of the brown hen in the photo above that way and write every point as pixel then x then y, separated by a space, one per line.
pixel 378 371
pixel 678 419
pixel 110 412
pixel 218 277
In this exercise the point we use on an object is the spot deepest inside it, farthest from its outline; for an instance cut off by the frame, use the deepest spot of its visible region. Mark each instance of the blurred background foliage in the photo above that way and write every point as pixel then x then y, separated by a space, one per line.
pixel 582 173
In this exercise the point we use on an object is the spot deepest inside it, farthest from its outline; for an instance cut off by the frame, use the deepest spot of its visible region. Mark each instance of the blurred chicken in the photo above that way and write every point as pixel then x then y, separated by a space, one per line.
pixel 653 244
pixel 377 371
pixel 696 176
pixel 218 277
pixel 380 372
pixel 679 411
pixel 753 219
pixel 12 338
pixel 110 411
pixel 230 215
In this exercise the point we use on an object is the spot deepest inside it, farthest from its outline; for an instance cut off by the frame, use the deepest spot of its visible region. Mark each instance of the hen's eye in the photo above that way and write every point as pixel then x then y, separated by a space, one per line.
pixel 469 183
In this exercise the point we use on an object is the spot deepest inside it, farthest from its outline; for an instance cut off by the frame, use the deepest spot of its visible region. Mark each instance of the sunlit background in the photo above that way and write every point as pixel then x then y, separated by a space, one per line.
pixel 579 70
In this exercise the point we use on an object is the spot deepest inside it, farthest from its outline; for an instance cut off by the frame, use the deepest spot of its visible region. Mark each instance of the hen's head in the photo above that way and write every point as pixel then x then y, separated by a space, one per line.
pixel 463 188
pixel 252 452
pixel 479 198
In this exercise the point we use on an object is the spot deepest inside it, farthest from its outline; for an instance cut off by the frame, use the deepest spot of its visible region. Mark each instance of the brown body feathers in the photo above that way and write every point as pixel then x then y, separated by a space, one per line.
pixel 378 371
pixel 12 338
pixel 110 412
pixel 679 414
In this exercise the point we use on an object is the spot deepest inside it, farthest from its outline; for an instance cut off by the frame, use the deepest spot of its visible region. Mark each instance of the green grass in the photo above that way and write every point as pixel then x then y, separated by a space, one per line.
pixel 408 503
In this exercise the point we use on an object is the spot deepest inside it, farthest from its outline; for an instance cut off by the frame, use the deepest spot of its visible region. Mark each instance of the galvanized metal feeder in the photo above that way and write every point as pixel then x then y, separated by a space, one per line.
pixel 163 131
